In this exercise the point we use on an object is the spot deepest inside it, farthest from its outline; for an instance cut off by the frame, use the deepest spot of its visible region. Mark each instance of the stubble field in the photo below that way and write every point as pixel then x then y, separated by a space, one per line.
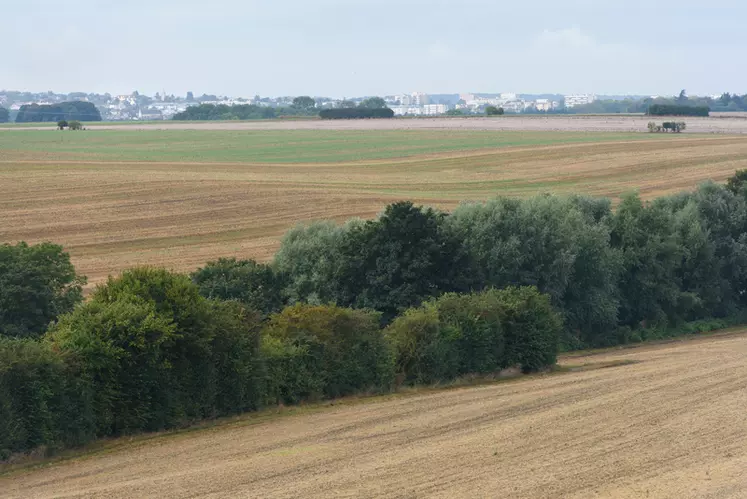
pixel 178 198
pixel 663 421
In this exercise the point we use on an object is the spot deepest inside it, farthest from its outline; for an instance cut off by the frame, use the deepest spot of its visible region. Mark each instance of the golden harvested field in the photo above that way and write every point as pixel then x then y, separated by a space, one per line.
pixel 671 423
pixel 178 198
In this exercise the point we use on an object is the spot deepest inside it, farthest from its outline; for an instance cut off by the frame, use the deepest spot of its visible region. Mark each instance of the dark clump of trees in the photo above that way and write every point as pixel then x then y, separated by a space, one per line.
pixel 354 113
pixel 75 110
pixel 4 115
pixel 414 296
pixel 494 111
pixel 677 110
pixel 37 284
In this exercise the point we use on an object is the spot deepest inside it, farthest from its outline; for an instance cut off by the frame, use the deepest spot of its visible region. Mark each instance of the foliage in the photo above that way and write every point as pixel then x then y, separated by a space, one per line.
pixel 736 182
pixel 494 111
pixel 75 125
pixel 667 126
pixel 304 103
pixel 355 113
pixel 454 112
pixel 308 257
pixel 485 332
pixel 373 103
pixel 316 351
pixel 159 355
pixel 4 115
pixel 677 110
pixel 75 110
pixel 41 405
pixel 224 112
pixel 255 285
pixel 559 245
pixel 37 284
pixel 397 261
pixel 62 124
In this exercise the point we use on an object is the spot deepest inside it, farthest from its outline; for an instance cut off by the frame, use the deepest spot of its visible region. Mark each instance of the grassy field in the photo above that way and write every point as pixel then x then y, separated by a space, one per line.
pixel 659 421
pixel 118 198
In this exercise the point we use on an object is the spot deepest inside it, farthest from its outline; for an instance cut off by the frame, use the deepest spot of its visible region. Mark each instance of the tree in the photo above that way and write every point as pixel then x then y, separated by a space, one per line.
pixel 454 112
pixel 304 103
pixel 494 111
pixel 255 285
pixel 37 284
pixel 4 115
pixel 190 97
pixel 682 98
pixel 399 260
pixel 346 104
pixel 62 124
pixel 373 103
pixel 75 125
pixel 736 182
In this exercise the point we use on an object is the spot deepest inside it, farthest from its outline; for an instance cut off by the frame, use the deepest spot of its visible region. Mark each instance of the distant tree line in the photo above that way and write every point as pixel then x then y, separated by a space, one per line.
pixel 677 110
pixel 75 110
pixel 414 296
pixel 4 115
pixel 355 113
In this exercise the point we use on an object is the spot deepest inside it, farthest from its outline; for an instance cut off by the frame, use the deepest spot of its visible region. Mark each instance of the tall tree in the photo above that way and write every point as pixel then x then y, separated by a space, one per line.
pixel 304 103
pixel 37 284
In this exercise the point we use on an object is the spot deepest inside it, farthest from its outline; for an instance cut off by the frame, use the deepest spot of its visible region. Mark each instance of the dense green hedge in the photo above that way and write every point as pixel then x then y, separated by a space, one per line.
pixel 677 110
pixel 485 332
pixel 354 113
pixel 74 110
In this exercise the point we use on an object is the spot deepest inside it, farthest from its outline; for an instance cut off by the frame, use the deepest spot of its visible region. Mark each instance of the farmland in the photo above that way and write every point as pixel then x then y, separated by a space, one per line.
pixel 125 196
pixel 644 426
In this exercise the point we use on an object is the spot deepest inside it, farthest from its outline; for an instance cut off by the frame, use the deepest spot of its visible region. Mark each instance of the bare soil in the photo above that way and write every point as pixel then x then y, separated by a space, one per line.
pixel 729 123
pixel 112 215
pixel 671 425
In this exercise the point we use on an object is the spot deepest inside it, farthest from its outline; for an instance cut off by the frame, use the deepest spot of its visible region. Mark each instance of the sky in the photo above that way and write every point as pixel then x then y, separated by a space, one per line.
pixel 347 48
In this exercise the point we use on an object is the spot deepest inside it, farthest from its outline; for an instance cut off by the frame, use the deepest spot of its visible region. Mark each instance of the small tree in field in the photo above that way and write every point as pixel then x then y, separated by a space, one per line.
pixel 75 125
pixel 493 111
pixel 61 124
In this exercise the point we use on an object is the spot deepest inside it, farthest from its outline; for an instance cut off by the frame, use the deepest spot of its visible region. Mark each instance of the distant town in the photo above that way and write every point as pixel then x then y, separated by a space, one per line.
pixel 163 106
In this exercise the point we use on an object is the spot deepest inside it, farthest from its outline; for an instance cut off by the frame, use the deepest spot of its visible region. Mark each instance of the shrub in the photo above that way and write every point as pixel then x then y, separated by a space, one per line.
pixel 37 284
pixel 75 125
pixel 475 333
pixel 325 351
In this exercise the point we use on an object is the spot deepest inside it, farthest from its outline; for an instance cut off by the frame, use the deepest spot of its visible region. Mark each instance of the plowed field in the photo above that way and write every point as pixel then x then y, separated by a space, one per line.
pixel 671 424
pixel 119 198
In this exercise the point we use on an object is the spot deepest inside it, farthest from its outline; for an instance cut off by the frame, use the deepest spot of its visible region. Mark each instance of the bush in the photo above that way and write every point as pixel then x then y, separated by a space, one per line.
pixel 494 111
pixel 475 333
pixel 255 285
pixel 37 284
pixel 325 351
pixel 75 125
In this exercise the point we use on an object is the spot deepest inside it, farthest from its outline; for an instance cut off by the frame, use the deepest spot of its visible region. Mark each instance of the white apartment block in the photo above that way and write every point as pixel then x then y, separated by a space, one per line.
pixel 579 100
pixel 435 109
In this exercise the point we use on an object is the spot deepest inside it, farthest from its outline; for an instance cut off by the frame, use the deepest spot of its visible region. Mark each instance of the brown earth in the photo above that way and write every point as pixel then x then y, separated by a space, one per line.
pixel 111 215
pixel 717 123
pixel 671 424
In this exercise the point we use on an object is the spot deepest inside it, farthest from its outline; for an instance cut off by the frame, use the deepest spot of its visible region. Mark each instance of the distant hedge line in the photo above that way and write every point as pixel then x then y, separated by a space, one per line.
pixel 677 110
pixel 355 113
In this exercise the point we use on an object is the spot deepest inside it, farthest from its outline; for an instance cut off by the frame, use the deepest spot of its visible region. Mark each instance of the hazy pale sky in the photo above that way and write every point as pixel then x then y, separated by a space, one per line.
pixel 343 48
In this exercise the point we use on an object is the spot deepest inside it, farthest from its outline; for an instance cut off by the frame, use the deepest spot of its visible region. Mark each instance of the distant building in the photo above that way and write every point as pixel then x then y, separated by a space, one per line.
pixel 435 109
pixel 579 100
pixel 419 99
pixel 543 104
